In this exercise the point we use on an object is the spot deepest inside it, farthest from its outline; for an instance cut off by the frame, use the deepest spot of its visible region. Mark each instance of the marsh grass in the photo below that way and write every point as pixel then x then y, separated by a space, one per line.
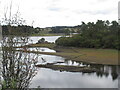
pixel 91 55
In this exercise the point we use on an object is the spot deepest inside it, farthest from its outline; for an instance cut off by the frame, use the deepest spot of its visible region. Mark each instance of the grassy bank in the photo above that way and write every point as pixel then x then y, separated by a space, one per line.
pixel 96 56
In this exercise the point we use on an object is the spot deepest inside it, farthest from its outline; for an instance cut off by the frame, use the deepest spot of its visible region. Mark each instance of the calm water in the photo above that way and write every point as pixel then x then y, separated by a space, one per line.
pixel 48 78
pixel 104 77
pixel 40 49
pixel 47 38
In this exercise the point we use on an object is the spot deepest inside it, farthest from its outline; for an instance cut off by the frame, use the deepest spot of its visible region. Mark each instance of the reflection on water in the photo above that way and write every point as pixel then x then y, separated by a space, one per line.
pixel 47 38
pixel 47 78
pixel 105 76
pixel 19 71
pixel 40 49
pixel 103 70
pixel 49 59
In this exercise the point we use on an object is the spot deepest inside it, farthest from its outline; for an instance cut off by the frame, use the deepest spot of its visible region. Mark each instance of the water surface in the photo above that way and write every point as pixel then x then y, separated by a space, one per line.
pixel 48 78
pixel 47 38
pixel 105 76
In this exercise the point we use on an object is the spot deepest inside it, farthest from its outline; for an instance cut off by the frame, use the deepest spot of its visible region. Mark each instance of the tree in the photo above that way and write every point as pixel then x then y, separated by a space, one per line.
pixel 42 40
pixel 98 35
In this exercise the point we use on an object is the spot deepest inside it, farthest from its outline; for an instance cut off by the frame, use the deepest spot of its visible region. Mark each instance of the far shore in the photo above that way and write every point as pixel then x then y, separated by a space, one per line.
pixel 89 55
pixel 48 34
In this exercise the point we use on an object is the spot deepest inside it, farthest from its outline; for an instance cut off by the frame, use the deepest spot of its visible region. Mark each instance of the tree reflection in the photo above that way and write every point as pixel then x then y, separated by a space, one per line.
pixel 114 73
pixel 101 70
pixel 18 68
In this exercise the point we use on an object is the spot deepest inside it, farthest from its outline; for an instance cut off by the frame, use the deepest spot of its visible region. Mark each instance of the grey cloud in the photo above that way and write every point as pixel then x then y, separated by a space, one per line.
pixel 55 0
pixel 53 6
pixel 102 0
pixel 54 9
pixel 104 12
pixel 119 12
pixel 119 8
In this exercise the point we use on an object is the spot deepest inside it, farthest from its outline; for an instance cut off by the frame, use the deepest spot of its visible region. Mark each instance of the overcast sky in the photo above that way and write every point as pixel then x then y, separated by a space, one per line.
pixel 46 13
pixel 119 12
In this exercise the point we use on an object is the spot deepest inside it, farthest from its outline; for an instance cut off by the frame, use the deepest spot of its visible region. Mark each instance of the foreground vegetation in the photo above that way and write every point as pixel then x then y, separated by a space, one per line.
pixel 90 55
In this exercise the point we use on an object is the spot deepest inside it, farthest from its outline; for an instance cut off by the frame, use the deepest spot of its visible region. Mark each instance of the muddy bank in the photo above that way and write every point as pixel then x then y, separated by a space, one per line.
pixel 68 68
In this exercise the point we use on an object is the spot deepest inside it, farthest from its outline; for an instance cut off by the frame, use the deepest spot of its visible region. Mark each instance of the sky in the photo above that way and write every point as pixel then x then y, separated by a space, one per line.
pixel 47 13
pixel 119 12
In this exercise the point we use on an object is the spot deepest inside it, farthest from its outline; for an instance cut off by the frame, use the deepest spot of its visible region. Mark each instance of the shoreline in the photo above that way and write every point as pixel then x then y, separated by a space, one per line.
pixel 88 55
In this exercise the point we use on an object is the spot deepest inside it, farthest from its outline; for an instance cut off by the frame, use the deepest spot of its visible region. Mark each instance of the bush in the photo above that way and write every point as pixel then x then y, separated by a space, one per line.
pixel 42 40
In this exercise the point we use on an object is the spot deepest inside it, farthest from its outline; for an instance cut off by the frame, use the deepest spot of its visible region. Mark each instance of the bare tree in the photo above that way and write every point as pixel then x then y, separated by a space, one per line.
pixel 18 68
pixel 12 19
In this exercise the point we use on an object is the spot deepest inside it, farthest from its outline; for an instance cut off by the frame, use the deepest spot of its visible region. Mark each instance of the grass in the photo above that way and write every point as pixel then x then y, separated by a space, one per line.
pixel 97 56
pixel 91 55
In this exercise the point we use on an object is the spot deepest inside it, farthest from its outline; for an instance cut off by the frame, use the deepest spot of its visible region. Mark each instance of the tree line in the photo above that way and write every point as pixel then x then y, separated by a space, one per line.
pixel 102 34
pixel 62 29
pixel 18 30
pixel 30 30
